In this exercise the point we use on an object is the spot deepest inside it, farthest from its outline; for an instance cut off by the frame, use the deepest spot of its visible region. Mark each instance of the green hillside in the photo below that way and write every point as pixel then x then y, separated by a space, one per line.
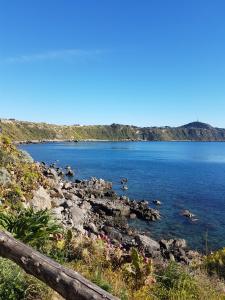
pixel 25 131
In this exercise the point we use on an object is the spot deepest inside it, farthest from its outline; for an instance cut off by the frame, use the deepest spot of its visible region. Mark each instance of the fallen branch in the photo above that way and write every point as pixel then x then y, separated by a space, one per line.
pixel 69 284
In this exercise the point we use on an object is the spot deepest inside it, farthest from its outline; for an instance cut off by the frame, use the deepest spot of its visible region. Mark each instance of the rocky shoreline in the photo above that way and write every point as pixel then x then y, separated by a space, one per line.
pixel 92 207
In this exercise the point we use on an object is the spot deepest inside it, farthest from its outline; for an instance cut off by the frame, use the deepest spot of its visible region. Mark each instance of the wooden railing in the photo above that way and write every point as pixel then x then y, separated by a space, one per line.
pixel 69 284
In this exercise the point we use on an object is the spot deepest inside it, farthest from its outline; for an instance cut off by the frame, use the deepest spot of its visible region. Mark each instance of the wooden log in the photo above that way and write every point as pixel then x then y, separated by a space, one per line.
pixel 69 284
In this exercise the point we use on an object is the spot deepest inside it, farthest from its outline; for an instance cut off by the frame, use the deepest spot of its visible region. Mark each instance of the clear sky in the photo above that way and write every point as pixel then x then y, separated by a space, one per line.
pixel 141 62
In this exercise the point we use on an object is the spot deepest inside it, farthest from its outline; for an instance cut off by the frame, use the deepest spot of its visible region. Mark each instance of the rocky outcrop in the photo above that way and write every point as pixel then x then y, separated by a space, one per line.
pixel 91 207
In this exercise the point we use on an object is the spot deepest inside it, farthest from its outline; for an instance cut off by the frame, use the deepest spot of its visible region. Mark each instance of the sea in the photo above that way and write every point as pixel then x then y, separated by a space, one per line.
pixel 182 175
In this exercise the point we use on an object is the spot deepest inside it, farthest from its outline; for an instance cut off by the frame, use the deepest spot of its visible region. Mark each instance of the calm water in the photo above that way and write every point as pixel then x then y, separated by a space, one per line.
pixel 183 175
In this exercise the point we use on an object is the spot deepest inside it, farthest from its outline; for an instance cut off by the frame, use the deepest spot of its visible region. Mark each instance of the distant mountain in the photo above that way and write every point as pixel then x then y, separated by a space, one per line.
pixel 197 125
pixel 194 131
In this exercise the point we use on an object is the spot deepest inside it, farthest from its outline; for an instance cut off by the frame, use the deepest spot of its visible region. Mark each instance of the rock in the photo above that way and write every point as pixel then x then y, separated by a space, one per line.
pixel 57 212
pixel 115 208
pixel 85 205
pixel 128 241
pixel 51 173
pixel 69 203
pixel 57 202
pixel 123 180
pixel 110 194
pixel 150 246
pixel 142 211
pixel 133 216
pixel 78 218
pixel 171 257
pixel 60 173
pixel 67 186
pixel 41 199
pixel 180 243
pixel 5 177
pixel 187 213
pixel 56 193
pixel 70 196
pixel 113 233
pixel 166 244
pixel 157 202
pixel 92 228
pixel 70 173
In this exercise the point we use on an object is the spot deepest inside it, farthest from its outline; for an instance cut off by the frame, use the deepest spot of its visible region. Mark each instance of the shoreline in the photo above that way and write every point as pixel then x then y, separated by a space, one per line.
pixel 92 207
pixel 100 140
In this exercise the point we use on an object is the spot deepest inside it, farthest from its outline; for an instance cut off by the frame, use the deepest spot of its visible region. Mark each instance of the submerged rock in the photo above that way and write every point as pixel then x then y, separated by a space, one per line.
pixel 157 202
pixel 187 213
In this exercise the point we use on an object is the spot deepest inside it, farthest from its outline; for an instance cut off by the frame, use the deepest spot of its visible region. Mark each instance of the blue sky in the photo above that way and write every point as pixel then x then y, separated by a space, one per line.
pixel 141 62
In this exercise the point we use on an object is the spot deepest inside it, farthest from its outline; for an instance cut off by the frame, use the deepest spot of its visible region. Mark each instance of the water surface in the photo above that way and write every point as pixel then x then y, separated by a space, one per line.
pixel 183 175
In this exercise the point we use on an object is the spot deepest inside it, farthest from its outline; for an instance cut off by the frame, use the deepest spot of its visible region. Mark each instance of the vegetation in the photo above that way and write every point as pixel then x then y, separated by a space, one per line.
pixel 126 275
pixel 197 131
pixel 33 228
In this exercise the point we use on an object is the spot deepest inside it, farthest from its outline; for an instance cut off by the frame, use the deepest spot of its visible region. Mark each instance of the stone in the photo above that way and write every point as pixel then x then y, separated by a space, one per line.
pixel 69 203
pixel 78 218
pixel 157 202
pixel 149 245
pixel 180 243
pixel 166 244
pixel 171 257
pixel 56 193
pixel 5 177
pixel 70 173
pixel 113 233
pixel 57 202
pixel 41 199
pixel 133 216
pixel 57 212
pixel 67 186
pixel 187 213
pixel 92 228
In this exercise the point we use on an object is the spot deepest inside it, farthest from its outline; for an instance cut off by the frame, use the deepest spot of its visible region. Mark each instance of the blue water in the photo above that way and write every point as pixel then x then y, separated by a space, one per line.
pixel 183 175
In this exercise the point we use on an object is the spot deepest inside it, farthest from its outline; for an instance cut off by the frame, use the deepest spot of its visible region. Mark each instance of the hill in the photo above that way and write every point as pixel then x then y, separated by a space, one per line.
pixel 25 131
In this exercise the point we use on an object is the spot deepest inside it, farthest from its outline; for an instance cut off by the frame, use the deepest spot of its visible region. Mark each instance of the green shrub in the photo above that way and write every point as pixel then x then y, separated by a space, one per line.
pixel 177 282
pixel 33 228
pixel 215 263
pixel 16 284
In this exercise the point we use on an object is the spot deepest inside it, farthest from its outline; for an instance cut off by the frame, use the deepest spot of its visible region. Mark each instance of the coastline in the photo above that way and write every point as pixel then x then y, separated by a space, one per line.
pixel 92 208
pixel 104 140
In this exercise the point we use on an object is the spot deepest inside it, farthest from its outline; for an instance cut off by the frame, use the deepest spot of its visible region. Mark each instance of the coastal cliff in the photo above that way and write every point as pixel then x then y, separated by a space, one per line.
pixel 30 131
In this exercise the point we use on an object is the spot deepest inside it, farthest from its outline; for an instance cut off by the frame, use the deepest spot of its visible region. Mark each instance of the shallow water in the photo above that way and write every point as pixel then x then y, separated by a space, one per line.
pixel 183 175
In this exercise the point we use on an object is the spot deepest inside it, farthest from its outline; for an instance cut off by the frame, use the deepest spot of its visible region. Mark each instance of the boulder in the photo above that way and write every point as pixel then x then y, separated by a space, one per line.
pixel 67 185
pixel 57 212
pixel 180 243
pixel 92 228
pixel 41 199
pixel 70 173
pixel 113 233
pixel 78 218
pixel 5 177
pixel 150 246
pixel 157 202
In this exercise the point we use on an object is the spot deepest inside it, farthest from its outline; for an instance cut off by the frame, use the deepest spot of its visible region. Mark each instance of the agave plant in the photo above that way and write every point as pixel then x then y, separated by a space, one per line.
pixel 33 228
